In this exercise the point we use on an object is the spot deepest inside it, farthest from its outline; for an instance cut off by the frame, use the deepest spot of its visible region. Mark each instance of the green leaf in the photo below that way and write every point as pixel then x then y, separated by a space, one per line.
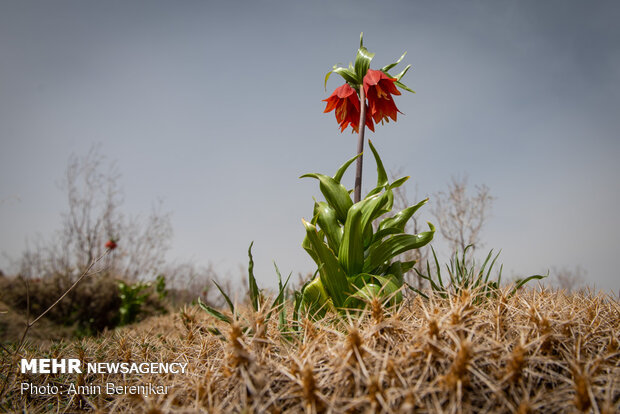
pixel 382 179
pixel 228 301
pixel 214 312
pixel 348 75
pixel 396 270
pixel 335 194
pixel 454 279
pixel 371 286
pixel 327 220
pixel 384 232
pixel 216 332
pixel 351 253
pixel 371 204
pixel 438 268
pixel 254 293
pixel 417 291
pixel 365 285
pixel 374 191
pixel 327 75
pixel 298 299
pixel 434 286
pixel 399 221
pixel 298 302
pixel 398 182
pixel 499 276
pixel 362 62
pixel 401 74
pixel 344 167
pixel 361 279
pixel 279 301
pixel 332 276
pixel 368 292
pixel 387 207
pixel 390 288
pixel 391 65
pixel 491 266
pixel 308 248
pixel 282 317
pixel 407 266
pixel 522 282
pixel 315 298
pixel 371 209
pixel 395 245
pixel 403 86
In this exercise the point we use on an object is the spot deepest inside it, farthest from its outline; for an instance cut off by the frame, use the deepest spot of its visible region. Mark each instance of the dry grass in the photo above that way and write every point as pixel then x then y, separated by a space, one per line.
pixel 538 351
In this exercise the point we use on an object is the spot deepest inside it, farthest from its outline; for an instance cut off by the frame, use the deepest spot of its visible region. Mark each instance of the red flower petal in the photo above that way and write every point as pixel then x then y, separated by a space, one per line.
pixel 379 89
pixel 376 77
pixel 345 102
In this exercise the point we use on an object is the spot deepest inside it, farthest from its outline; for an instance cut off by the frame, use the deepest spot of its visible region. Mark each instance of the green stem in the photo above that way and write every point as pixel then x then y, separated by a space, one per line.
pixel 360 146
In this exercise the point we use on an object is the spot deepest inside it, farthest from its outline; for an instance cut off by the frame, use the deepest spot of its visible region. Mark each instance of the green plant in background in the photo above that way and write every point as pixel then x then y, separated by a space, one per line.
pixel 464 276
pixel 160 287
pixel 132 299
pixel 354 260
pixel 257 300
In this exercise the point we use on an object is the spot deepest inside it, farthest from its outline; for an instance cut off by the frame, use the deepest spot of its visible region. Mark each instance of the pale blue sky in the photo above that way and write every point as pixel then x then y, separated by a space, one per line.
pixel 215 107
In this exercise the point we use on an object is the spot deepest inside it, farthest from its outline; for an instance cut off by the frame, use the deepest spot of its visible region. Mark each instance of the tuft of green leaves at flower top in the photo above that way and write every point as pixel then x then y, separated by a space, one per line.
pixel 379 88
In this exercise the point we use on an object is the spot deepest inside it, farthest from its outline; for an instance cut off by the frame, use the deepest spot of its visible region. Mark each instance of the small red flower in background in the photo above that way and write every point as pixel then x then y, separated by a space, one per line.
pixel 111 244
pixel 345 101
pixel 379 89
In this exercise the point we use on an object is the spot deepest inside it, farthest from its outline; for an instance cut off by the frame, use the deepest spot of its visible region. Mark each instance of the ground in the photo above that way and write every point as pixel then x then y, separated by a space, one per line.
pixel 540 350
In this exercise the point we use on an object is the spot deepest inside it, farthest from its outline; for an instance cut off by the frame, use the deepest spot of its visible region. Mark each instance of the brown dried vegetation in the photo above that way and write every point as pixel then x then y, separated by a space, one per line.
pixel 537 351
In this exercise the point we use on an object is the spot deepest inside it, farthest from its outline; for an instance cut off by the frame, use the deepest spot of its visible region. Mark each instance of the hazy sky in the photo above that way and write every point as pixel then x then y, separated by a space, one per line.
pixel 215 107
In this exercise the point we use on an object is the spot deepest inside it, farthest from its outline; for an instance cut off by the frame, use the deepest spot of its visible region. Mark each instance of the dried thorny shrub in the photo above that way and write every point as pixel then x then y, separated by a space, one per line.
pixel 537 351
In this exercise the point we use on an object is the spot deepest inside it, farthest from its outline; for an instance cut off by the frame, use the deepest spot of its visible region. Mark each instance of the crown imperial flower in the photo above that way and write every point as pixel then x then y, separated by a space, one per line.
pixel 379 89
pixel 366 98
pixel 346 103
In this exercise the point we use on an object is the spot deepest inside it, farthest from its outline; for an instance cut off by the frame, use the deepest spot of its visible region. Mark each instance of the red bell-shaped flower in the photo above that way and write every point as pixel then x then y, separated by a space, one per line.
pixel 379 89
pixel 111 244
pixel 346 102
